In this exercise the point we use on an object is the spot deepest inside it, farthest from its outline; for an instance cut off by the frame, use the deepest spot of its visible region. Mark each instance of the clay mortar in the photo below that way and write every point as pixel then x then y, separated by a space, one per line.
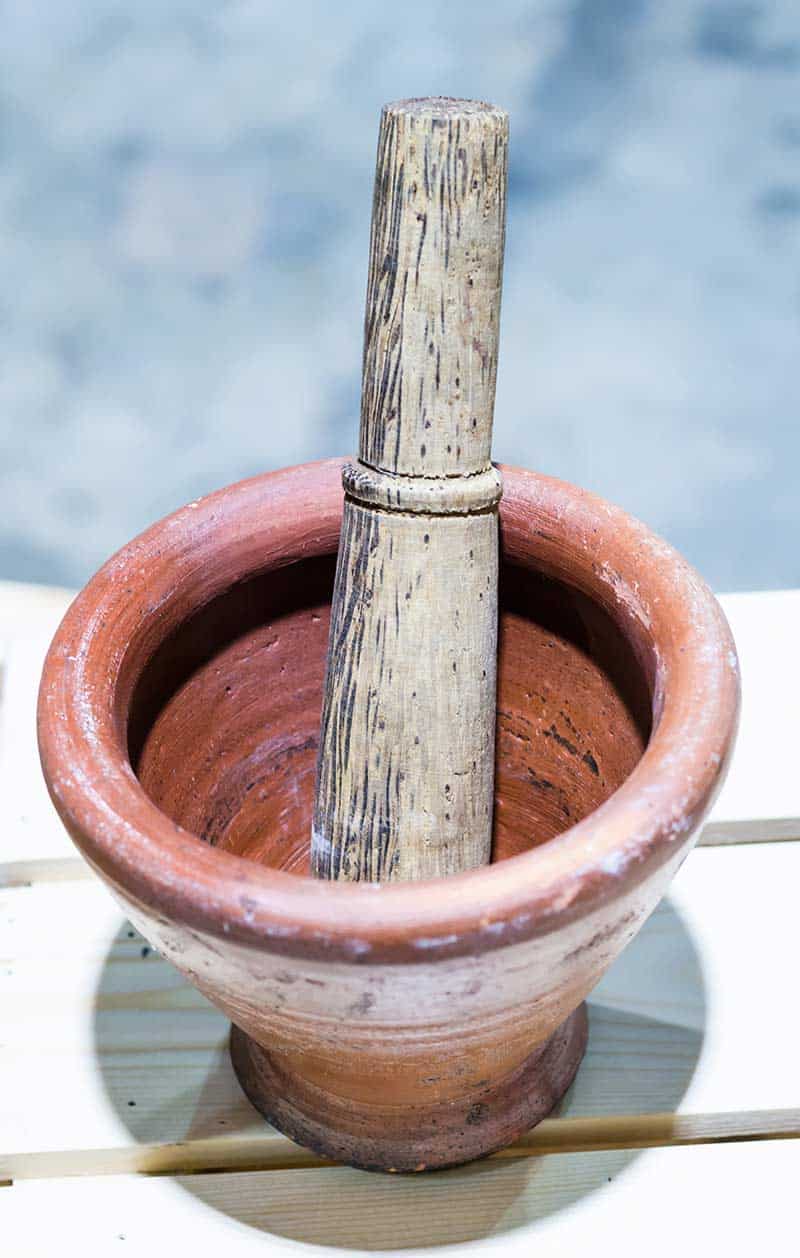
pixel 409 1025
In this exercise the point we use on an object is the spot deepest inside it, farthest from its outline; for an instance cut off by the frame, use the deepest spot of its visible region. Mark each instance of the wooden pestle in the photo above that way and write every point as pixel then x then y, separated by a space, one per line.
pixel 405 776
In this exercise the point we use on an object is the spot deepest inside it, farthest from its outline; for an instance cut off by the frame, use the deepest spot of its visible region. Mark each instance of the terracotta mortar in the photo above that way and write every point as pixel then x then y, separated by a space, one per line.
pixel 409 1025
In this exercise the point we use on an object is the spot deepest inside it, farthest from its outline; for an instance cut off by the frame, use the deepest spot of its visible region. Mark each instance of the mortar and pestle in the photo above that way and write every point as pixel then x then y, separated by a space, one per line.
pixel 402 914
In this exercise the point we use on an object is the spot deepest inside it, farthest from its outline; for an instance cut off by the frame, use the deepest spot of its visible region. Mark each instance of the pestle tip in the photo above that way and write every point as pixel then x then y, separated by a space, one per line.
pixel 444 107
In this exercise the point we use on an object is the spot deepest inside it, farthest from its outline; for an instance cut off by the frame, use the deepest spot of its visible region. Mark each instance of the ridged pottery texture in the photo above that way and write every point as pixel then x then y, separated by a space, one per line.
pixel 408 1025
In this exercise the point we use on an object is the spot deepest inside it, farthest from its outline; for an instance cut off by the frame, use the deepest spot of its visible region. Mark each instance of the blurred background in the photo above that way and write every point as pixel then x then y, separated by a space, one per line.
pixel 185 191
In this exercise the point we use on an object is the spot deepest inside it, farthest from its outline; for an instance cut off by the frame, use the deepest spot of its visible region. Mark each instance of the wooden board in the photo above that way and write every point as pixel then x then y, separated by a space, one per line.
pixel 761 797
pixel 732 1199
pixel 31 831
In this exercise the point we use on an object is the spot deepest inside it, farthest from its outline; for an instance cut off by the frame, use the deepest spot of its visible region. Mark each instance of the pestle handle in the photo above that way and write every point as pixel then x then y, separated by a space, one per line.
pixel 405 775
pixel 433 295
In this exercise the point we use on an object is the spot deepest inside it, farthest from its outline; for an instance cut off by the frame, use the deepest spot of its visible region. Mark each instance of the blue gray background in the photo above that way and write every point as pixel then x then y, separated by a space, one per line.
pixel 185 193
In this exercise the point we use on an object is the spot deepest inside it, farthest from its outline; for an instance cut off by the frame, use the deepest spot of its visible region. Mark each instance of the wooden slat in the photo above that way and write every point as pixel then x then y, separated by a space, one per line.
pixel 733 1199
pixel 268 1151
pixel 24 873
pixel 761 797
pixel 95 1021
pixel 26 608
pixel 29 827
pixel 765 830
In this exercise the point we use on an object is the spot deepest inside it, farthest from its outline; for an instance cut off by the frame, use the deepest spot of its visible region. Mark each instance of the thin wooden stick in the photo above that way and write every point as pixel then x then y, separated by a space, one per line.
pixel 406 765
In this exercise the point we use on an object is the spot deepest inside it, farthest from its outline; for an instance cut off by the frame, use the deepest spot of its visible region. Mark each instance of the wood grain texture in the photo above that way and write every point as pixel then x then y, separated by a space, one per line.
pixel 406 762
pixel 433 295
pixel 406 770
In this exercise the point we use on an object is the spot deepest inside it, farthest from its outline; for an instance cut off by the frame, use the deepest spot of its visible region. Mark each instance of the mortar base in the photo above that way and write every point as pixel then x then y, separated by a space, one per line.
pixel 412 1137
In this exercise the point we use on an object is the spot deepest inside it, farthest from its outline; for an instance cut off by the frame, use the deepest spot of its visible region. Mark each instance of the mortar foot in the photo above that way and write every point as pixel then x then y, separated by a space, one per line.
pixel 411 1137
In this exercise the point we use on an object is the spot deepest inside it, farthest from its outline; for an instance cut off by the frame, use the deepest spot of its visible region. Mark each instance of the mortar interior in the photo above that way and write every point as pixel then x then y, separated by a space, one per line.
pixel 224 720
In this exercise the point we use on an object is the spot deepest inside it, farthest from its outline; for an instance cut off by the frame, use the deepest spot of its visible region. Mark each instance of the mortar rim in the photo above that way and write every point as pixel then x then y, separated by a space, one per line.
pixel 664 608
